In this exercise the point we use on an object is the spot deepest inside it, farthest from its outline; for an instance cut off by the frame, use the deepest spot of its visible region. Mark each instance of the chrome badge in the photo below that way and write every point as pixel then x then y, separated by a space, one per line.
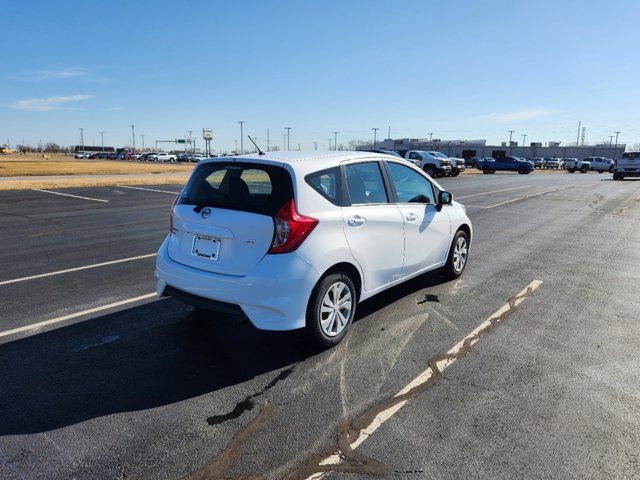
pixel 205 212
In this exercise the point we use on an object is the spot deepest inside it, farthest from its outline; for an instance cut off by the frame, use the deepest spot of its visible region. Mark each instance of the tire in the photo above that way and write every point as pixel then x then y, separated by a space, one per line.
pixel 486 170
pixel 522 170
pixel 600 171
pixel 327 329
pixel 492 172
pixel 429 170
pixel 571 170
pixel 456 262
pixel 584 169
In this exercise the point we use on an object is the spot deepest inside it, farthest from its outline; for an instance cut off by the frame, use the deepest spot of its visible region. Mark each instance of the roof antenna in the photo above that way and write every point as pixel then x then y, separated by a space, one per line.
pixel 260 152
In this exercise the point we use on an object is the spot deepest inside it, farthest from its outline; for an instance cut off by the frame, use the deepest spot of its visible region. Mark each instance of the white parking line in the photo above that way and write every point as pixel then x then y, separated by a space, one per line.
pixel 493 191
pixel 69 195
pixel 85 267
pixel 76 315
pixel 526 196
pixel 421 380
pixel 148 189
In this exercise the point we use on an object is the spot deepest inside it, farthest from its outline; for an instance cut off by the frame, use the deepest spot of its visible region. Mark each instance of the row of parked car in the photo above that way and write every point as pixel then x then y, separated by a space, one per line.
pixel 526 165
pixel 144 156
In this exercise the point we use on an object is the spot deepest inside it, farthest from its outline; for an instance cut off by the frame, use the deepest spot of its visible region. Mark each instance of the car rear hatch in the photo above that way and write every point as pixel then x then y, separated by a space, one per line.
pixel 629 162
pixel 222 221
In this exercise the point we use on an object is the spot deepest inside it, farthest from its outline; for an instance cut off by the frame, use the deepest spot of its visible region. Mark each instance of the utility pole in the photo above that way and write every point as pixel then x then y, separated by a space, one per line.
pixel 610 142
pixel 389 133
pixel 190 142
pixel 288 129
pixel 614 148
pixel 329 143
pixel 81 140
pixel 578 138
pixel 430 138
pixel 142 141
pixel 510 137
pixel 298 147
pixel 241 138
pixel 315 145
pixel 133 135
pixel 102 140
pixel 375 130
pixel 524 138
pixel 335 141
pixel 268 142
pixel 284 142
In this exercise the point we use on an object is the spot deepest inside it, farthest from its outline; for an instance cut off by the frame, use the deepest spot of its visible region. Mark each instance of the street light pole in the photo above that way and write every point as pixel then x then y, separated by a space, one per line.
pixel 268 142
pixel 524 138
pixel 241 138
pixel 142 141
pixel 375 130
pixel 510 137
pixel 288 129
pixel 335 141
pixel 82 139
pixel 133 136
pixel 614 148
pixel 315 145
pixel 102 140
pixel 284 141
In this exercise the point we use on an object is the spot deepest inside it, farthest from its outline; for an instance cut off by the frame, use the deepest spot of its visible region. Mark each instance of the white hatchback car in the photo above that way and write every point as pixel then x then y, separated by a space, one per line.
pixel 292 240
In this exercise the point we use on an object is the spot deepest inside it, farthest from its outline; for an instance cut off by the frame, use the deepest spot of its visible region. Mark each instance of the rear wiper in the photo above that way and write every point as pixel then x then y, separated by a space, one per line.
pixel 198 208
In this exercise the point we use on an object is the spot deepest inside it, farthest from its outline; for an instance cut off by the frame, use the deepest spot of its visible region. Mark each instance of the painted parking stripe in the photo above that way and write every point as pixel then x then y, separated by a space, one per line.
pixel 422 380
pixel 526 196
pixel 149 189
pixel 493 191
pixel 71 316
pixel 69 195
pixel 76 269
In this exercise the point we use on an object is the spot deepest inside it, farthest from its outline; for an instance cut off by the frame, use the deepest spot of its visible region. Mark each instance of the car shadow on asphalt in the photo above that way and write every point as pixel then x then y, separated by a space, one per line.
pixel 145 357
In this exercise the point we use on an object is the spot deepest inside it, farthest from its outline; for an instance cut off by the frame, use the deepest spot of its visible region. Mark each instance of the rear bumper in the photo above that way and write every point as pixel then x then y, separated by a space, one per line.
pixel 627 172
pixel 273 297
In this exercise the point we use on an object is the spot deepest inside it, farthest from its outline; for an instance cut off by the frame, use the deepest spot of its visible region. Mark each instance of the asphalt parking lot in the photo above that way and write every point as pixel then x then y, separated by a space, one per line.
pixel 101 380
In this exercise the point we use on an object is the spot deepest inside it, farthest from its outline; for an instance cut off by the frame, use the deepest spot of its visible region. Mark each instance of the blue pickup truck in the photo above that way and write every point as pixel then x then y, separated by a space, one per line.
pixel 508 164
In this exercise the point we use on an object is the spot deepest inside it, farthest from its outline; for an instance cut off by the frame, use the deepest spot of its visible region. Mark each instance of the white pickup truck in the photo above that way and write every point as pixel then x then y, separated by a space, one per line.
pixel 434 166
pixel 628 165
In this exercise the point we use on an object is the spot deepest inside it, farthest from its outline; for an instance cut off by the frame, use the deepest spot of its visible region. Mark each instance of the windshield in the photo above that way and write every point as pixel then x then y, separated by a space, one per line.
pixel 438 154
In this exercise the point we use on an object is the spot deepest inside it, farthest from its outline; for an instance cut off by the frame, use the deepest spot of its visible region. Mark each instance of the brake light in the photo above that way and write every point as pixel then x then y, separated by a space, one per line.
pixel 290 228
pixel 171 229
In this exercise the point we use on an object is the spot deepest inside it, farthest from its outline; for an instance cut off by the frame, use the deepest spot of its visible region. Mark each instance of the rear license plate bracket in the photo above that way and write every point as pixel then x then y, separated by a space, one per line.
pixel 205 247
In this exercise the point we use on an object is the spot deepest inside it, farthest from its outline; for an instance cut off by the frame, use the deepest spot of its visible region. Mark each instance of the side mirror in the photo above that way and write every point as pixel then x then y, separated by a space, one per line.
pixel 444 198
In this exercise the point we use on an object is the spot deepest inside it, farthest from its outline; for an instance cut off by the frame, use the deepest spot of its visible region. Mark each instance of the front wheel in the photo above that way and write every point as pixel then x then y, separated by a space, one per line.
pixel 430 171
pixel 584 169
pixel 571 170
pixel 486 170
pixel 332 307
pixel 458 254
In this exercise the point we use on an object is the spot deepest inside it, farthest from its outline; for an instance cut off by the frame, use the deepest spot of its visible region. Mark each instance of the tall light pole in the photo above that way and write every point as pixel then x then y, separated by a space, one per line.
pixel 288 129
pixel 190 141
pixel 524 138
pixel 578 139
pixel 82 139
pixel 614 148
pixel 511 135
pixel 315 145
pixel 102 140
pixel 142 141
pixel 335 141
pixel 133 135
pixel 329 143
pixel 241 138
pixel 610 142
pixel 284 141
pixel 268 142
pixel 375 130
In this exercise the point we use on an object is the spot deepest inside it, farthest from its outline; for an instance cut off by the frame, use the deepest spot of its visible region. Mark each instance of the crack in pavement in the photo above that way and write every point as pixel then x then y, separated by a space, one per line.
pixel 217 468
pixel 351 433
pixel 247 403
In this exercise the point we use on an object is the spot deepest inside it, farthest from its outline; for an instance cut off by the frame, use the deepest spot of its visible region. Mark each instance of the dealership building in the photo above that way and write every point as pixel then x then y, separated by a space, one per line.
pixel 479 148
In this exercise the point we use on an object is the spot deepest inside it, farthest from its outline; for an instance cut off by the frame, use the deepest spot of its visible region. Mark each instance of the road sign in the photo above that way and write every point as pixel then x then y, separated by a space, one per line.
pixel 207 134
pixel 181 140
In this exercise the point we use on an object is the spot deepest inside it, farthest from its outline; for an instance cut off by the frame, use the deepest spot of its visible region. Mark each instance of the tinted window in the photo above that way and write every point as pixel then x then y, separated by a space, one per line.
pixel 242 186
pixel 411 187
pixel 631 155
pixel 327 184
pixel 365 184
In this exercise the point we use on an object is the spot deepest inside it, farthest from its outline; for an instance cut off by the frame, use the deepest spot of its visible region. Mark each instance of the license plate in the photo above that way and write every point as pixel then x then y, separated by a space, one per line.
pixel 205 247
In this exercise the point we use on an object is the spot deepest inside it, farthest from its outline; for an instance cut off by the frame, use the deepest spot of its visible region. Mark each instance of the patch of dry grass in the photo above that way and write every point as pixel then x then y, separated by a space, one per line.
pixel 35 165
pixel 70 181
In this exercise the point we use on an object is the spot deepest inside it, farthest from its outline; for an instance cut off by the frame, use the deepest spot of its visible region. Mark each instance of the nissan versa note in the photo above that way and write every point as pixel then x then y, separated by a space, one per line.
pixel 292 240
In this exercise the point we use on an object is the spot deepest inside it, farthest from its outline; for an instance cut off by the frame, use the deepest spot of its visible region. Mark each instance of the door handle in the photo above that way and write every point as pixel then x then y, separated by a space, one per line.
pixel 411 217
pixel 356 221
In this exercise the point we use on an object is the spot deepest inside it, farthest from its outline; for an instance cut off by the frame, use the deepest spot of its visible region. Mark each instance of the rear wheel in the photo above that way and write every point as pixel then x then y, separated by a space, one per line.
pixel 584 169
pixel 331 309
pixel 571 170
pixel 429 170
pixel 522 170
pixel 486 170
pixel 458 254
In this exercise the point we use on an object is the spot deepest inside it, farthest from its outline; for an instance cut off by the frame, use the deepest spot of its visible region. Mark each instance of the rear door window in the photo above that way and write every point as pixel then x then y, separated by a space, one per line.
pixel 248 187
pixel 327 183
pixel 365 183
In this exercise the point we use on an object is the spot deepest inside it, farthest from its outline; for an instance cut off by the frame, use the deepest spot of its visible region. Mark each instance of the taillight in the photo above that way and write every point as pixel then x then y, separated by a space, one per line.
pixel 171 229
pixel 290 228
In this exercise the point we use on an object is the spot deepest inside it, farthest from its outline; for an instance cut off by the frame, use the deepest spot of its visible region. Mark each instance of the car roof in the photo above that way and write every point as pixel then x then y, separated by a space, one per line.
pixel 306 162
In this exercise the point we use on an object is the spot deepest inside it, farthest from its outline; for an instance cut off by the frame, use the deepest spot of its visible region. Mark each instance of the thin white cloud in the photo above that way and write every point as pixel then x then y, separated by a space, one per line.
pixel 519 116
pixel 69 72
pixel 47 104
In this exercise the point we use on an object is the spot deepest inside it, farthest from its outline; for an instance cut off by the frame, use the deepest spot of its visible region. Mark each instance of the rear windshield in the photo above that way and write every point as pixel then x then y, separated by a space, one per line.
pixel 631 155
pixel 249 187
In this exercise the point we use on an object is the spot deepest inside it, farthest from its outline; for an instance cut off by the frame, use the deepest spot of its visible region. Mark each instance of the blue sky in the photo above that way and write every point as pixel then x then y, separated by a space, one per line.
pixel 460 69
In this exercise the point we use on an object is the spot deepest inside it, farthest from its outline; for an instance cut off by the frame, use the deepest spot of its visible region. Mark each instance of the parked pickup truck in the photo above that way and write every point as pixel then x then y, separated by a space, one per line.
pixel 600 164
pixel 457 164
pixel 434 166
pixel 509 164
pixel 575 164
pixel 628 165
